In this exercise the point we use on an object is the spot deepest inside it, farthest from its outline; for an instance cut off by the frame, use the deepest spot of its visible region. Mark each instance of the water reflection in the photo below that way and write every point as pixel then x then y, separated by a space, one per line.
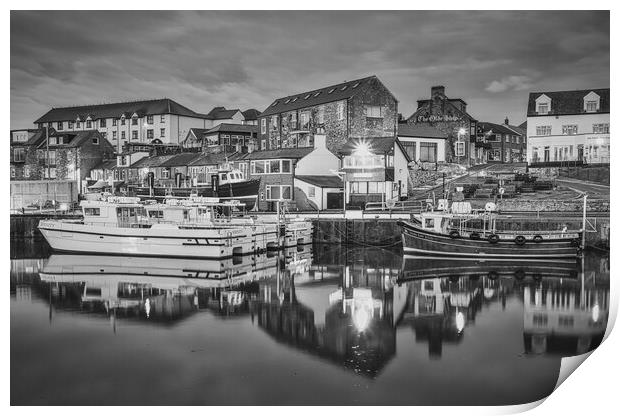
pixel 348 307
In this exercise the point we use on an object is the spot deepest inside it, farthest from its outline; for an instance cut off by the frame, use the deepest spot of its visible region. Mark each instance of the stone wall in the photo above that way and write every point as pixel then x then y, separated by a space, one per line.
pixel 553 205
pixel 375 94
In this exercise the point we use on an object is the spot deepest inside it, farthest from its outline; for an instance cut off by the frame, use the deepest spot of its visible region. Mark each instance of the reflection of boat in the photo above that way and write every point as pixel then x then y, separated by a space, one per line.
pixel 476 235
pixel 422 267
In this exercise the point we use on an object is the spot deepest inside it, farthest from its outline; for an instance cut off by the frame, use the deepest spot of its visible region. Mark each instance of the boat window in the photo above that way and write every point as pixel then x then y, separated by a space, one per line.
pixel 429 222
pixel 185 214
pixel 156 214
pixel 92 211
pixel 223 176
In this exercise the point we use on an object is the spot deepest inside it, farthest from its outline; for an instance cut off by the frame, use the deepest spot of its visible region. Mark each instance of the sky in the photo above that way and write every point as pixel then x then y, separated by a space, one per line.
pixel 244 60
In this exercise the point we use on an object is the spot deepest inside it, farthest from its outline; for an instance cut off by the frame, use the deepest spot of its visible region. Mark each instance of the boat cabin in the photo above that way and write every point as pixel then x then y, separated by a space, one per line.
pixel 115 212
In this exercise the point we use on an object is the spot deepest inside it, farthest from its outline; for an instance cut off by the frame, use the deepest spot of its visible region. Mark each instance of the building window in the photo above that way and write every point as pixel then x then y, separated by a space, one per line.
pixel 19 154
pixel 149 119
pixel 78 125
pixel 459 150
pixel 122 121
pixel 304 120
pixel 543 108
pixel 293 120
pixel 134 121
pixel 114 135
pixel 341 111
pixel 311 192
pixel 602 128
pixel 150 134
pixel 49 173
pixel 321 115
pixel 373 111
pixel 102 122
pixel 409 149
pixel 162 132
pixel 12 171
pixel 274 121
pixel 134 135
pixel 277 192
pixel 263 126
pixel 543 130
pixel 59 125
pixel 591 106
pixel 162 118
pixel 69 124
pixel 89 124
pixel 570 129
pixel 286 166
pixel 165 173
pixel 428 151
pixel 96 139
pixel 113 122
pixel 52 157
pixel 508 138
pixel 123 135
pixel 27 171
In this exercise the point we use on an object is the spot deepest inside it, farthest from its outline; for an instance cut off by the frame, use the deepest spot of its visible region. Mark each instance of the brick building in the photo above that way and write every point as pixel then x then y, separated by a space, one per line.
pixel 359 108
pixel 69 156
pixel 502 143
pixel 450 116
pixel 239 137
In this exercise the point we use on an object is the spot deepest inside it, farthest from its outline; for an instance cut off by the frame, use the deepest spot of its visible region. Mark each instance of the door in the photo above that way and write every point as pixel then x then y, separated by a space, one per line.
pixel 334 200
pixel 547 154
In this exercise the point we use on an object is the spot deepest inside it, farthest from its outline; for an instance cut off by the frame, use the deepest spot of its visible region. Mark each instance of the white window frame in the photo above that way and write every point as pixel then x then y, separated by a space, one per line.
pixel 459 149
pixel 263 126
pixel 374 111
pixel 269 188
pixel 543 130
pixel 546 106
pixel 19 150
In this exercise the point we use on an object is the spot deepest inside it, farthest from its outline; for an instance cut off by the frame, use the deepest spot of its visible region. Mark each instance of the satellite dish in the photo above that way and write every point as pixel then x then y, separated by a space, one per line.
pixel 490 206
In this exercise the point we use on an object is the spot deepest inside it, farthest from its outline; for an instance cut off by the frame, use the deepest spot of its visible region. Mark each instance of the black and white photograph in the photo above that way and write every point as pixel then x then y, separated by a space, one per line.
pixel 307 207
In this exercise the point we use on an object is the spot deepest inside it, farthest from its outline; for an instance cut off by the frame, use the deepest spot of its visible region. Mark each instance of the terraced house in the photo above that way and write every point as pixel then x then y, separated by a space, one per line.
pixel 359 108
pixel 568 126
pixel 151 121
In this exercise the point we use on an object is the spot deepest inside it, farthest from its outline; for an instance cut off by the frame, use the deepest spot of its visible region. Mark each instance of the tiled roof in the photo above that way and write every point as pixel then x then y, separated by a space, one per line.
pixel 495 128
pixel 76 138
pixel 322 181
pixel 115 110
pixel 220 113
pixel 209 159
pixel 234 128
pixel 106 164
pixel 323 95
pixel 568 102
pixel 251 114
pixel 420 130
pixel 376 145
pixel 151 161
pixel 294 153
pixel 180 159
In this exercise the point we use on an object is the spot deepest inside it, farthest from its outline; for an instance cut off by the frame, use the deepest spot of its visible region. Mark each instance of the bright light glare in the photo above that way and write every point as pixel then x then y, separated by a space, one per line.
pixel 361 319
pixel 460 321
pixel 462 131
pixel 147 307
pixel 362 149
pixel 595 313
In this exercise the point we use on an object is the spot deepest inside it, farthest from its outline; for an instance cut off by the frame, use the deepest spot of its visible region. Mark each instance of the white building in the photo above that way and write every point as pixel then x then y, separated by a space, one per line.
pixel 423 143
pixel 568 126
pixel 150 121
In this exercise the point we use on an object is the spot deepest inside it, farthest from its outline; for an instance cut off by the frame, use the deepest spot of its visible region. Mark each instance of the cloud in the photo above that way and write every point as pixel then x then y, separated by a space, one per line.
pixel 513 82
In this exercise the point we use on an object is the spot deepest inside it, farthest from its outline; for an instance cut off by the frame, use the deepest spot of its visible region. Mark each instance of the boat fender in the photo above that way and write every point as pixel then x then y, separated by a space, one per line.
pixel 493 275
pixel 520 240
pixel 493 238
pixel 574 242
pixel 454 234
pixel 519 274
pixel 538 238
pixel 474 236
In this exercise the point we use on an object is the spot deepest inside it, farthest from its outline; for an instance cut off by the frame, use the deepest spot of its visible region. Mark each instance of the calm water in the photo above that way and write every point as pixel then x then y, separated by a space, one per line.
pixel 322 325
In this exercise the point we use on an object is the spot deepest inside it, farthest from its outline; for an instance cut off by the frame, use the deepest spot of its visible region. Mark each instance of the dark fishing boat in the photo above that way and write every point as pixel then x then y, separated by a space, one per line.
pixel 226 184
pixel 465 233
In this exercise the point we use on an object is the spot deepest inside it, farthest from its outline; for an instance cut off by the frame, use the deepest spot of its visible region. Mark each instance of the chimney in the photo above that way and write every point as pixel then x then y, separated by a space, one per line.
pixel 506 121
pixel 320 141
pixel 436 90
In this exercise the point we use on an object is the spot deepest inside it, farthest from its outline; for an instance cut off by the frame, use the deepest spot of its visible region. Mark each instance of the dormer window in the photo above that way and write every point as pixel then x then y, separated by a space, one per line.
pixel 332 90
pixel 543 108
pixel 591 102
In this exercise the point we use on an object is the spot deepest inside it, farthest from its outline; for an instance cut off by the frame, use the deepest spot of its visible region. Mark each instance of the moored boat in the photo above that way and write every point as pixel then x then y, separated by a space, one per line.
pixel 466 233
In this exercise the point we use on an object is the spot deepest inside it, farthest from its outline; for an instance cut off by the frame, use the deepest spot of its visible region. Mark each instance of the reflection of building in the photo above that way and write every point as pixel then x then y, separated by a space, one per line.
pixel 565 319
pixel 568 126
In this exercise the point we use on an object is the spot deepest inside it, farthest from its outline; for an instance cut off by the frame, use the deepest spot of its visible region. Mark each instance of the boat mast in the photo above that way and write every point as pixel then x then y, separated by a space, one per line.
pixel 583 222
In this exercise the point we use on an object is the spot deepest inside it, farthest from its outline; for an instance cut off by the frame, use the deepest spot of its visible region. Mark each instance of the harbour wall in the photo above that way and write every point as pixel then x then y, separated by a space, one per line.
pixel 386 232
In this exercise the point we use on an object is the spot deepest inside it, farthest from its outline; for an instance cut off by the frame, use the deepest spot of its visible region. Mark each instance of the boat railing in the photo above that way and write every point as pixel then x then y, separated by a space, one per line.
pixel 514 233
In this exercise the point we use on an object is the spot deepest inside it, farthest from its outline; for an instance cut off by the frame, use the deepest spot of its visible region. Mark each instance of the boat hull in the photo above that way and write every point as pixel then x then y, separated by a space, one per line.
pixel 157 241
pixel 419 241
